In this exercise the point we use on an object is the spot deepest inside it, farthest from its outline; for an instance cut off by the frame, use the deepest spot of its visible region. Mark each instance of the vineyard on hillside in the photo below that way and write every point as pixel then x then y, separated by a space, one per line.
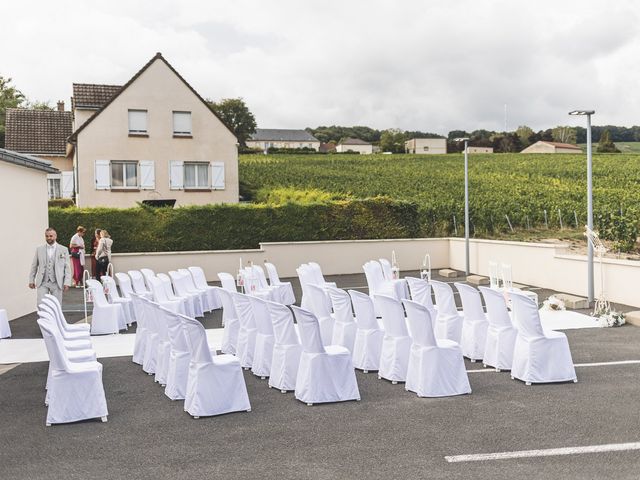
pixel 506 190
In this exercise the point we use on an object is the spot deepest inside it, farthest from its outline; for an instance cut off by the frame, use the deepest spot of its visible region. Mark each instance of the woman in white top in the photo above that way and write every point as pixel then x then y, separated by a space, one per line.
pixel 77 255
pixel 103 253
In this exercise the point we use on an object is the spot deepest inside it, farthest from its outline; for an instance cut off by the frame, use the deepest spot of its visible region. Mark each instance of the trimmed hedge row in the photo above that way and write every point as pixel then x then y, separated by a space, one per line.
pixel 240 226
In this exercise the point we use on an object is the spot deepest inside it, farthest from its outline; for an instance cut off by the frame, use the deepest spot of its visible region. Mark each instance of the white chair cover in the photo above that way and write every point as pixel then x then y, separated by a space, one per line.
pixel 254 286
pixel 227 281
pixel 318 277
pixel 286 289
pixel 163 350
pixel 263 352
pixel 539 356
pixel 368 342
pixel 247 333
pixel 190 285
pixel 344 328
pixel 111 291
pixel 394 358
pixel 179 356
pixel 325 373
pixel 106 317
pixel 215 384
pixel 126 288
pixel 448 322
pixel 140 343
pixel 181 287
pixel 305 277
pixel 501 334
pixel 421 292
pixel 187 303
pixel 75 390
pixel 147 273
pixel 5 330
pixel 286 348
pixel 474 325
pixel 200 281
pixel 68 330
pixel 436 367
pixel 400 284
pixel 151 344
pixel 230 322
pixel 160 296
pixel 72 340
pixel 321 308
pixel 138 284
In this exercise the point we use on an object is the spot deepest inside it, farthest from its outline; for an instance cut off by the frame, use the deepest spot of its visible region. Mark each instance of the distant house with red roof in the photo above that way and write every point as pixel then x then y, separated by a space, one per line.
pixel 543 146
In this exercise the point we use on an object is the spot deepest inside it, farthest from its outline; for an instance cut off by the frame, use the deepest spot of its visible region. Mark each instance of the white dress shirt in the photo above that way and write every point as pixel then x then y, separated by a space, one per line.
pixel 51 249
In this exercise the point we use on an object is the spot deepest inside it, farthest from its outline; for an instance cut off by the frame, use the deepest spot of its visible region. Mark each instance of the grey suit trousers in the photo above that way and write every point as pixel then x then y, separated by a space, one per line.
pixel 49 287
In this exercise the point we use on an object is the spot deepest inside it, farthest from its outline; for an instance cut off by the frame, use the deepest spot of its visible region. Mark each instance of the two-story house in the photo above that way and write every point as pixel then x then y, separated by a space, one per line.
pixel 154 138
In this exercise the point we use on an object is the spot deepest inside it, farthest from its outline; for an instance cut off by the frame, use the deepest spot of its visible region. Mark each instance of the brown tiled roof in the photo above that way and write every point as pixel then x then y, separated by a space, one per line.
pixel 353 141
pixel 37 131
pixel 89 95
pixel 157 56
pixel 563 145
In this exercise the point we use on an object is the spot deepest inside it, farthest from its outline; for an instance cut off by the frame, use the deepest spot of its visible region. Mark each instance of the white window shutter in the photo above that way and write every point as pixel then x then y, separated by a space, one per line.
pixel 103 175
pixel 147 175
pixel 182 123
pixel 67 184
pixel 176 175
pixel 138 121
pixel 217 175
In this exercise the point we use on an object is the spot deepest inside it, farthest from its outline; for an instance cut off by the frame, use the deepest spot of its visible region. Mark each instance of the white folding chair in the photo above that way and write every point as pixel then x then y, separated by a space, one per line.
pixel 394 358
pixel 111 291
pixel 138 284
pixel 191 287
pixel 369 336
pixel 227 281
pixel 75 390
pixel 215 384
pixel 126 287
pixel 448 323
pixel 326 372
pixel 106 317
pixel 420 291
pixel 68 330
pixel 474 325
pixel 201 282
pixel 230 321
pixel 147 273
pixel 247 333
pixel 181 288
pixel 318 276
pixel 263 351
pixel 539 356
pixel 286 349
pixel 436 367
pixel 72 340
pixel 344 327
pixel 321 308
pixel 286 289
pixel 501 334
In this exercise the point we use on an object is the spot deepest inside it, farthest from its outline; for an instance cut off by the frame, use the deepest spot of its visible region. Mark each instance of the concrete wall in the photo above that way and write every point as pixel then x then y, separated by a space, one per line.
pixel 23 219
pixel 159 91
pixel 362 149
pixel 537 264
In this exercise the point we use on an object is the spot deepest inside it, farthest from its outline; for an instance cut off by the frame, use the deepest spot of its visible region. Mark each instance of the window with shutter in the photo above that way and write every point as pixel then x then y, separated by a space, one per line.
pixel 138 122
pixel 176 175
pixel 196 175
pixel 67 185
pixel 217 175
pixel 182 123
pixel 53 184
pixel 147 175
pixel 124 174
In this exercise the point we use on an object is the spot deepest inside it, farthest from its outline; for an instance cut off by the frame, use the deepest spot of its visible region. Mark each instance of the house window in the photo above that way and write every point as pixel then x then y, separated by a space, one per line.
pixel 124 174
pixel 53 184
pixel 137 122
pixel 196 175
pixel 425 149
pixel 182 123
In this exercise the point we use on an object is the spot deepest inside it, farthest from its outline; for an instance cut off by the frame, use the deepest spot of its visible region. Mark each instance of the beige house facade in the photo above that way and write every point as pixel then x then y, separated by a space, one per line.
pixel 154 139
pixel 552 147
pixel 24 216
pixel 354 145
pixel 266 138
pixel 428 146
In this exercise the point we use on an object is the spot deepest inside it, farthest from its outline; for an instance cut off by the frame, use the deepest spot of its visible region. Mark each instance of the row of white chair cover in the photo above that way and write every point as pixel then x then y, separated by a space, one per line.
pixel 107 318
pixel 74 389
pixel 177 352
pixel 311 274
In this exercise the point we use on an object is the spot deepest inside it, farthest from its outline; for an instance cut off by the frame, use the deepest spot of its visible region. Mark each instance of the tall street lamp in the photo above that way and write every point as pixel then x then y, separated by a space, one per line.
pixel 588 113
pixel 466 199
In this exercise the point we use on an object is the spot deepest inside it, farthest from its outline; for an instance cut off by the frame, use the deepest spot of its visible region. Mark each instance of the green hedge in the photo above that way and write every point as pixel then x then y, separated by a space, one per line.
pixel 238 226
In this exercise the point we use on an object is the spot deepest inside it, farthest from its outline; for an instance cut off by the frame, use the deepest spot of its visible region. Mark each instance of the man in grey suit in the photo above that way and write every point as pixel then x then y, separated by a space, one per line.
pixel 50 269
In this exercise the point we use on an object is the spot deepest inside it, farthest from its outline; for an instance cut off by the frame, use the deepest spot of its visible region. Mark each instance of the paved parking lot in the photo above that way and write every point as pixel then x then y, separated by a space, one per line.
pixel 389 434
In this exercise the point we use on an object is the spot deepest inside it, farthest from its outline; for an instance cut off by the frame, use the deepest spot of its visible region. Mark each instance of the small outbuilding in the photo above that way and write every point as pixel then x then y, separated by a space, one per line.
pixel 542 146
pixel 429 146
pixel 354 145
pixel 24 217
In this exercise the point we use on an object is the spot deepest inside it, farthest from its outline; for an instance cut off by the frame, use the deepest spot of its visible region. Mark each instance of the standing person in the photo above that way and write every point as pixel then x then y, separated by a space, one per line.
pixel 94 246
pixel 77 255
pixel 50 269
pixel 103 253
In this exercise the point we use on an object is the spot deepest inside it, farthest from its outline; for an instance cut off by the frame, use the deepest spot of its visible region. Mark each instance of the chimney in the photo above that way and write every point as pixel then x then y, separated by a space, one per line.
pixel 60 106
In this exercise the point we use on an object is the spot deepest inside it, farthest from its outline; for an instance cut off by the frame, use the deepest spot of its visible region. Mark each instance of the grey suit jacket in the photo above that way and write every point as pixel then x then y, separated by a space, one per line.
pixel 61 265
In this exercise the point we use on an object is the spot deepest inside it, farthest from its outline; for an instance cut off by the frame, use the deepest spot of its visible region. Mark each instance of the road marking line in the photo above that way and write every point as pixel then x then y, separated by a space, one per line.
pixel 548 452
pixel 601 364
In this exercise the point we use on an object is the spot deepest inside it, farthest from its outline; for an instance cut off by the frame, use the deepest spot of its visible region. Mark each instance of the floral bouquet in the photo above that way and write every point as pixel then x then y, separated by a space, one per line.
pixel 553 303
pixel 611 319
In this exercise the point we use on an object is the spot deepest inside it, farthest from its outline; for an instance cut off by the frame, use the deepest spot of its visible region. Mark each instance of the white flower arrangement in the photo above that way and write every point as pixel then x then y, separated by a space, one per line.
pixel 610 318
pixel 553 303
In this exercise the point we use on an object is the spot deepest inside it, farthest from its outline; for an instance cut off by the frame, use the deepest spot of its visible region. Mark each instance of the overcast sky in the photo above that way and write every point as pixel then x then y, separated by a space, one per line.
pixel 416 65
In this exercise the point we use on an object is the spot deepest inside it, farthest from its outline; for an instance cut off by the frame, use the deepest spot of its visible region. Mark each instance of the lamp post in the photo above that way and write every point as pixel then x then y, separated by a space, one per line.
pixel 466 199
pixel 588 113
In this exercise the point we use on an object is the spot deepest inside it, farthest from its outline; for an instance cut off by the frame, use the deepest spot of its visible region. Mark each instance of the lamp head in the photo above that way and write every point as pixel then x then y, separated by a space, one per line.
pixel 461 139
pixel 582 112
